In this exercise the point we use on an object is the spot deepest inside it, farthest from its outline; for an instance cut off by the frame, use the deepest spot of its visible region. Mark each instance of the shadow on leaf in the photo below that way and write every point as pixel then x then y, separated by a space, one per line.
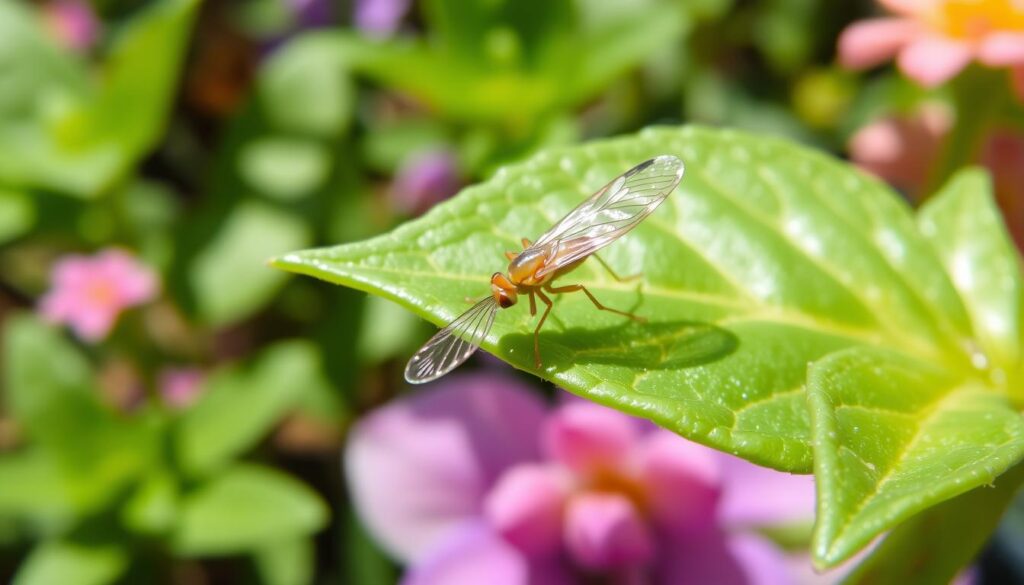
pixel 670 345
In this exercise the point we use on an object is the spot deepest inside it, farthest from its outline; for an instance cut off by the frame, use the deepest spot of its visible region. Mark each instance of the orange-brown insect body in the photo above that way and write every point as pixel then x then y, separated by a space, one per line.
pixel 601 219
pixel 524 274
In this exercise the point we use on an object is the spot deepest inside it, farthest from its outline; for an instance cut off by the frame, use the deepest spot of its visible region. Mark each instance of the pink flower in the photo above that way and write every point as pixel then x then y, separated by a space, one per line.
pixel 89 292
pixel 477 481
pixel 72 23
pixel 902 150
pixel 933 40
pixel 180 387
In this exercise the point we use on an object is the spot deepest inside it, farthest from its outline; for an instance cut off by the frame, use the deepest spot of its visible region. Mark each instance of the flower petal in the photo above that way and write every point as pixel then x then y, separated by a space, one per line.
pixel 682 483
pixel 1001 49
pixel 421 465
pixel 725 560
pixel 380 18
pixel 871 42
pixel 525 508
pixel 933 60
pixel 606 531
pixel 473 554
pixel 902 150
pixel 586 437
pixel 909 7
pixel 758 496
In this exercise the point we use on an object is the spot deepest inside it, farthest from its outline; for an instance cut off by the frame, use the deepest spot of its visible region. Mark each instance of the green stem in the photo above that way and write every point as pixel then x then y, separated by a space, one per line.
pixel 978 97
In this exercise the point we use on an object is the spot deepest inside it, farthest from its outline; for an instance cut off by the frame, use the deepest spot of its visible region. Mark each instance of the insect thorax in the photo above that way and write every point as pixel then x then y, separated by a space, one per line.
pixel 523 268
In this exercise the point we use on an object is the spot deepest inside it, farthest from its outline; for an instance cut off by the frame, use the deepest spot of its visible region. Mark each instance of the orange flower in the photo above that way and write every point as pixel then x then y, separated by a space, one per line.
pixel 933 40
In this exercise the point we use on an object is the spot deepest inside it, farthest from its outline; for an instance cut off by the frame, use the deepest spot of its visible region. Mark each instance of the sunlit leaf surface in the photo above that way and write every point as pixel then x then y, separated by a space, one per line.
pixel 767 259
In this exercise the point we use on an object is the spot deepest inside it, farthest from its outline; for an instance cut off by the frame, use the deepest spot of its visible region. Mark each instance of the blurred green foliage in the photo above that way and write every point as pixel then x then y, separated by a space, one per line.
pixel 207 137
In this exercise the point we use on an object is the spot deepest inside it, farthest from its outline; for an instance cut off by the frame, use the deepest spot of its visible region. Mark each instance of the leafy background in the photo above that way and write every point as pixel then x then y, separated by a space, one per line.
pixel 211 136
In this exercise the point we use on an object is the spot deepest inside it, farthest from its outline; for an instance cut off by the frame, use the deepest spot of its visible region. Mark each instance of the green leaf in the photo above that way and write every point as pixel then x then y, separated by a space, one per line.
pixel 240 406
pixel 138 81
pixel 246 508
pixel 94 450
pixel 17 214
pixel 772 275
pixel 284 168
pixel 935 545
pixel 70 562
pixel 895 435
pixel 306 88
pixel 153 507
pixel 513 63
pixel 361 559
pixel 229 277
pixel 289 562
pixel 32 488
pixel 742 282
pixel 36 73
pixel 965 227
pixel 78 136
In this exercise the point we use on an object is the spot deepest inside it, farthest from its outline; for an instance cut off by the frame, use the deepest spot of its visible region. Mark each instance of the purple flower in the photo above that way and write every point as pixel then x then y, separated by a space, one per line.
pixel 88 293
pixel 479 481
pixel 425 179
pixel 380 18
pixel 312 13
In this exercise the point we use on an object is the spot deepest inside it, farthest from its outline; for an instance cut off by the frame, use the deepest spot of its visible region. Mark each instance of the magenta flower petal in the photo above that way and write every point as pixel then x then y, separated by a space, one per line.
pixel 473 554
pixel 872 42
pixel 759 496
pixel 586 437
pixel 525 508
pixel 419 466
pixel 682 481
pixel 606 531
pixel 725 560
pixel 1001 49
pixel 933 60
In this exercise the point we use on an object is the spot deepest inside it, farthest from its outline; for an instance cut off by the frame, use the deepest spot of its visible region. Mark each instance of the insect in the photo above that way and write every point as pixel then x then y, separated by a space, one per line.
pixel 600 220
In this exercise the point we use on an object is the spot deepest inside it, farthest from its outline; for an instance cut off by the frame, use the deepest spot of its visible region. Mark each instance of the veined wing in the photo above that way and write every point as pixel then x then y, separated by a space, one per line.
pixel 611 212
pixel 451 346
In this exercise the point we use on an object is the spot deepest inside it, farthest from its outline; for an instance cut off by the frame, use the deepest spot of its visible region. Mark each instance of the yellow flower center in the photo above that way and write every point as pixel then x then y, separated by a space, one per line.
pixel 974 19
pixel 101 293
pixel 613 481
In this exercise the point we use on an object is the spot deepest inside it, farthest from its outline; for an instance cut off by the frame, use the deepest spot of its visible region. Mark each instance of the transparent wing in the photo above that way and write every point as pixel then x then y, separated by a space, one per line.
pixel 452 345
pixel 611 212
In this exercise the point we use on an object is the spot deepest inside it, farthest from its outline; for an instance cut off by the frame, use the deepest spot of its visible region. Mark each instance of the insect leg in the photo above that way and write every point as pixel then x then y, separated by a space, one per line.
pixel 511 255
pixel 526 243
pixel 614 275
pixel 533 305
pixel 536 332
pixel 597 303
